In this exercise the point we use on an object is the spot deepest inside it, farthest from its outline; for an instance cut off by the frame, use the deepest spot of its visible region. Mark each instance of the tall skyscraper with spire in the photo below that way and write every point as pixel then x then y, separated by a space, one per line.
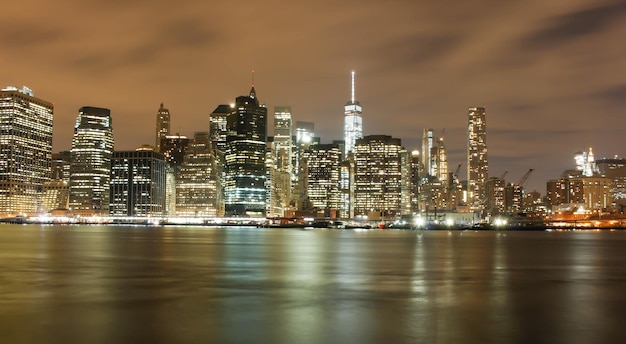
pixel 245 170
pixel 162 126
pixel 353 122
pixel 477 166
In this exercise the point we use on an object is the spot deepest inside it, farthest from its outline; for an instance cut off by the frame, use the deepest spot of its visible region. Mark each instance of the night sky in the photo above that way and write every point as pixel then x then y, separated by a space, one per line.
pixel 552 74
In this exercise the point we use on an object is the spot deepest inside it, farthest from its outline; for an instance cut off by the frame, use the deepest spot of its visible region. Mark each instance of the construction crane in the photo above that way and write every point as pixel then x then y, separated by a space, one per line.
pixel 504 175
pixel 522 180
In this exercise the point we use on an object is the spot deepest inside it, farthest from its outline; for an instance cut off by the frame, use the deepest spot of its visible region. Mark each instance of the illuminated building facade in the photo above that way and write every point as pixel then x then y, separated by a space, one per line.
pixel 427 149
pixel 495 189
pixel 377 176
pixel 90 162
pixel 564 191
pixel 282 172
pixel 162 126
pixel 615 169
pixel 25 149
pixel 198 189
pixel 353 122
pixel 56 193
pixel 442 162
pixel 304 137
pixel 173 149
pixel 322 167
pixel 137 183
pixel 217 127
pixel 477 166
pixel 245 170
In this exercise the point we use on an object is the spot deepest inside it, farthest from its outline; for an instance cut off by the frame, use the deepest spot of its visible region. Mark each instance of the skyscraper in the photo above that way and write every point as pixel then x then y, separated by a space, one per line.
pixel 162 126
pixel 378 164
pixel 217 127
pixel 138 183
pixel 245 170
pixel 427 148
pixel 198 190
pixel 477 167
pixel 90 162
pixel 25 149
pixel 322 165
pixel 353 122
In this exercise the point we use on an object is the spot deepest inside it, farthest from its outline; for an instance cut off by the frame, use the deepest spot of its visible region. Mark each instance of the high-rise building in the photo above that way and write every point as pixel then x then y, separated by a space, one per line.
pixel 245 157
pixel 615 169
pixel 442 162
pixel 427 149
pixel 173 149
pixel 495 189
pixel 138 183
pixel 56 193
pixel 162 126
pixel 282 171
pixel 377 176
pixel 477 166
pixel 25 149
pixel 198 190
pixel 217 127
pixel 90 162
pixel 353 122
pixel 322 167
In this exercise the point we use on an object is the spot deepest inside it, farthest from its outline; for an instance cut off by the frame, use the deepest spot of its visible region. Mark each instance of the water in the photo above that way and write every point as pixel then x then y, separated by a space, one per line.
pixel 90 284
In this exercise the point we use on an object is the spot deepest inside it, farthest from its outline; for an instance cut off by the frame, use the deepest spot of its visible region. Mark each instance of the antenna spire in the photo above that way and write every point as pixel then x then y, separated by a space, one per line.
pixel 352 98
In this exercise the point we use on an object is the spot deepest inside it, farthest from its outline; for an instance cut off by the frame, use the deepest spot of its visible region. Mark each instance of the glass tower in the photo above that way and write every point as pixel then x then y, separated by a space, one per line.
pixel 245 170
pixel 90 162
pixel 25 149
pixel 353 122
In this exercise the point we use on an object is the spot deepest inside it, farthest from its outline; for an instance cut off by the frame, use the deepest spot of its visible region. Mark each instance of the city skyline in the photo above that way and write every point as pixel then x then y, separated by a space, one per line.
pixel 546 73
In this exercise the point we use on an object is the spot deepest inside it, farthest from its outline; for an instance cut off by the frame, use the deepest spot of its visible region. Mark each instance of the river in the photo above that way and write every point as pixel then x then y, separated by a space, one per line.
pixel 125 284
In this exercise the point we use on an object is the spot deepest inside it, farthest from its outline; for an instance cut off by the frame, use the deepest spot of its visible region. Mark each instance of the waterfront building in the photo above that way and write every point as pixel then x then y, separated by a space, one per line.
pixel 615 169
pixel 60 166
pixel 25 149
pixel 441 162
pixel 162 126
pixel 585 163
pixel 416 172
pixel 138 183
pixel 495 190
pixel 90 162
pixel 377 177
pixel 322 167
pixel 564 191
pixel 477 164
pixel 198 189
pixel 353 122
pixel 596 192
pixel 245 158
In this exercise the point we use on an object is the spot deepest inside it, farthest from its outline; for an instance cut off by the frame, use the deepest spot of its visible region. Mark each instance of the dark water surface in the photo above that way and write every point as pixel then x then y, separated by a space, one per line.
pixel 90 284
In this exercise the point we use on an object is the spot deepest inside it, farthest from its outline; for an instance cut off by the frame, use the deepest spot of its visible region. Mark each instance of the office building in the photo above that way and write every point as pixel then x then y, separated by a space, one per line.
pixel 198 189
pixel 138 183
pixel 245 158
pixel 162 126
pixel 353 122
pixel 377 177
pixel 217 127
pixel 322 167
pixel 615 169
pixel 25 149
pixel 90 162
pixel 477 165
pixel 427 149
pixel 173 149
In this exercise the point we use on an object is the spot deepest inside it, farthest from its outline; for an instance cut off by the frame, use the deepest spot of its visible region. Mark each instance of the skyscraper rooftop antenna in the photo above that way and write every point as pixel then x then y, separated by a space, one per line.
pixel 253 78
pixel 352 98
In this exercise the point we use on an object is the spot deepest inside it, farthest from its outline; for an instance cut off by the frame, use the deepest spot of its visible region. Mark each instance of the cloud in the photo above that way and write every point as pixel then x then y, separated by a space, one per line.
pixel 568 27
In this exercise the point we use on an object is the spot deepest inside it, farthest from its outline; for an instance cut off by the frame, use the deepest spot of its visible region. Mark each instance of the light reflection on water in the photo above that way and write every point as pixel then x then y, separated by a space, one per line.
pixel 228 285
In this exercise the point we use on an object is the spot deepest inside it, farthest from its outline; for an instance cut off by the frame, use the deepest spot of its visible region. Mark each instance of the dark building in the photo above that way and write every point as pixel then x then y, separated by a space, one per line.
pixel 137 183
pixel 245 169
